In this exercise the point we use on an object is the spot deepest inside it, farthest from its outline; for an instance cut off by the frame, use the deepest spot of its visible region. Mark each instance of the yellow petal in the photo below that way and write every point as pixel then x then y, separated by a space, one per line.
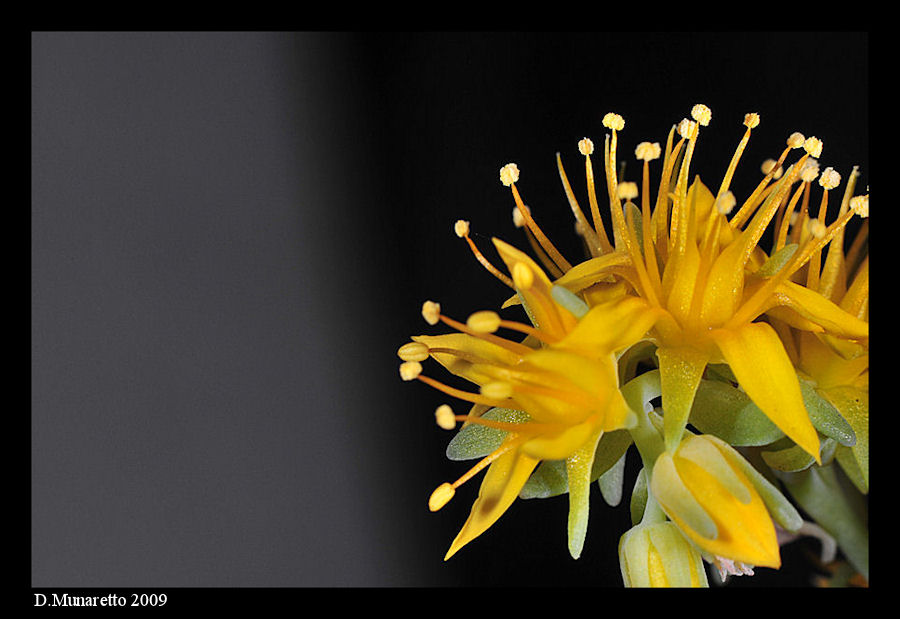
pixel 611 327
pixel 473 349
pixel 764 370
pixel 541 307
pixel 501 485
pixel 821 311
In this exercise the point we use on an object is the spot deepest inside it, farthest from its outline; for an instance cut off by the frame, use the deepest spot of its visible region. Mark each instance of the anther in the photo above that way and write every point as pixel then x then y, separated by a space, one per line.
pixel 813 146
pixel 726 203
pixel 444 417
pixel 686 128
pixel 522 276
pixel 701 114
pixel 751 120
pixel 860 205
pixel 441 496
pixel 796 140
pixel 431 312
pixel 627 191
pixel 645 151
pixel 509 174
pixel 413 351
pixel 497 390
pixel 518 218
pixel 810 170
pixel 768 165
pixel 817 228
pixel 585 146
pixel 484 322
pixel 829 179
pixel 461 228
pixel 410 370
pixel 613 121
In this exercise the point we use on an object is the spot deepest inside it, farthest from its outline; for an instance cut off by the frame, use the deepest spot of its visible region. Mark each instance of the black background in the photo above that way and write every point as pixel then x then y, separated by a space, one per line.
pixel 232 233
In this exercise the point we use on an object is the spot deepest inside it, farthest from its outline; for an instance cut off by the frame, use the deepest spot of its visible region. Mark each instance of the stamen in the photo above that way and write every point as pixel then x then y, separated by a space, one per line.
pixel 474 398
pixel 444 417
pixel 509 175
pixel 627 191
pixel 829 179
pixel 413 351
pixel 860 205
pixel 431 312
pixel 410 370
pixel 645 151
pixel 813 146
pixel 751 120
pixel 768 168
pixel 701 114
pixel 484 322
pixel 522 276
pixel 497 390
pixel 518 220
pixel 613 121
pixel 725 204
pixel 441 496
pixel 596 248
pixel 462 230
pixel 810 170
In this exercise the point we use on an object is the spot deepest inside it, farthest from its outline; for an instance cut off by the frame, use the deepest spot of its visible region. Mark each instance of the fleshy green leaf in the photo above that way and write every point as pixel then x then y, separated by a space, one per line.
pixel 853 405
pixel 795 458
pixel 611 483
pixel 825 417
pixel 639 497
pixel 728 413
pixel 476 441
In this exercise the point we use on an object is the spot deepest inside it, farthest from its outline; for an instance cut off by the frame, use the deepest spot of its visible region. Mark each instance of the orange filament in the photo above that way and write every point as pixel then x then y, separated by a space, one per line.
pixel 474 398
pixel 554 254
pixel 487 265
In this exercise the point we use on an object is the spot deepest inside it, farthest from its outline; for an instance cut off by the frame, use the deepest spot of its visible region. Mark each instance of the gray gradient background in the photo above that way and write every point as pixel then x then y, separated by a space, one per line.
pixel 233 232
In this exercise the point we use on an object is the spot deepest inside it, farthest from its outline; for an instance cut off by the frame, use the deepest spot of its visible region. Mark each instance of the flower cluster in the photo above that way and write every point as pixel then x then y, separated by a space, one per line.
pixel 739 375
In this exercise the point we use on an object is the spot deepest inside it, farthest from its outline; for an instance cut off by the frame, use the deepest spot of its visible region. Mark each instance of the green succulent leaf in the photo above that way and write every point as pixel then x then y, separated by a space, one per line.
pixel 638 497
pixel 794 459
pixel 853 404
pixel 728 413
pixel 612 482
pixel 825 417
pixel 476 441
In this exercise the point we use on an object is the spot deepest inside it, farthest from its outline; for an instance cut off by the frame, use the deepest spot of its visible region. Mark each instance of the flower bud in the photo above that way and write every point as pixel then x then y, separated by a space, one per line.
pixel 658 555
pixel 702 488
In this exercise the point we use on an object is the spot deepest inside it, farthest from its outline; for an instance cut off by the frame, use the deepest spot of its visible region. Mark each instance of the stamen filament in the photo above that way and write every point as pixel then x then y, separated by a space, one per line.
pixel 474 398
pixel 486 264
pixel 513 347
pixel 554 254
pixel 595 244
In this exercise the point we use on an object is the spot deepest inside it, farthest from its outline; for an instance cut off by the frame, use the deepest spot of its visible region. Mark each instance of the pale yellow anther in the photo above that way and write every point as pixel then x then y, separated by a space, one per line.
pixel 518 218
pixel 726 203
pixel 497 390
pixel 461 228
pixel 484 322
pixel 813 146
pixel 701 114
pixel 627 191
pixel 767 167
pixel 410 370
pixel 585 146
pixel 441 496
pixel 817 228
pixel 444 417
pixel 686 128
pixel 796 140
pixel 860 205
pixel 413 351
pixel 431 312
pixel 645 151
pixel 522 276
pixel 751 120
pixel 830 178
pixel 509 174
pixel 613 121
pixel 810 170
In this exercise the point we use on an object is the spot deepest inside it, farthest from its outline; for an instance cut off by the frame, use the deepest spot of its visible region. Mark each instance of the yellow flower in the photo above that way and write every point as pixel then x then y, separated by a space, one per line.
pixel 837 368
pixel 658 555
pixel 564 375
pixel 702 487
pixel 703 271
